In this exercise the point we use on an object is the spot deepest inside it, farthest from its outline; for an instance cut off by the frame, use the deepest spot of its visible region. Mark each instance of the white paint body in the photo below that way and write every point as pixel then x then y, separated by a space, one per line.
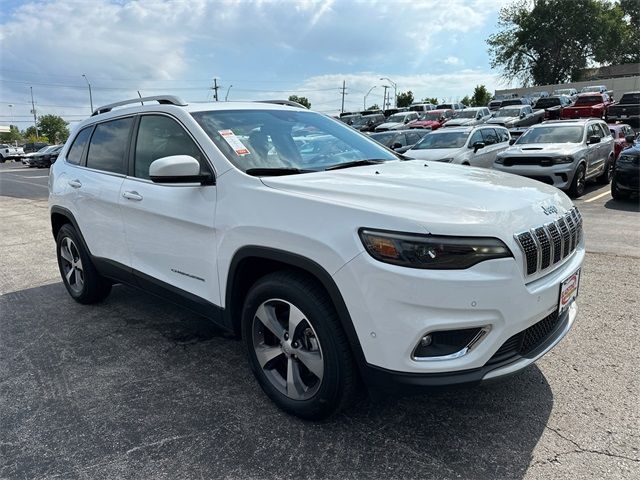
pixel 198 229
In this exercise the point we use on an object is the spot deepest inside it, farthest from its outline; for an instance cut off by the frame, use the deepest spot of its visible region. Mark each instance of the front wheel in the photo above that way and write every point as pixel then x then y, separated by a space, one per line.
pixel 296 347
pixel 579 182
pixel 615 191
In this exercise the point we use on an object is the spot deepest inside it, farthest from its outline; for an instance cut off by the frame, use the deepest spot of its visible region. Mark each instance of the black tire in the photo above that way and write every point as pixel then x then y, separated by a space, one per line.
pixel 615 192
pixel 86 286
pixel 338 384
pixel 606 176
pixel 579 182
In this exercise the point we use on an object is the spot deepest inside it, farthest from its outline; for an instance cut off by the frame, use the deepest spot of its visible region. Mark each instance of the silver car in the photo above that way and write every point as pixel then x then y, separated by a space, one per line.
pixel 563 153
pixel 475 146
pixel 513 116
pixel 469 117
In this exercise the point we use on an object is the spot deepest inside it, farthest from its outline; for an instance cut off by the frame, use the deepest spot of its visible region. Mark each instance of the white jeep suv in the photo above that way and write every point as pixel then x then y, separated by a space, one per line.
pixel 335 261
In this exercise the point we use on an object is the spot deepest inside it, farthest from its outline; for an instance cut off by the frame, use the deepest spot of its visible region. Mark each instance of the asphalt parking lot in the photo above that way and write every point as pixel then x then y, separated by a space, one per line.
pixel 139 388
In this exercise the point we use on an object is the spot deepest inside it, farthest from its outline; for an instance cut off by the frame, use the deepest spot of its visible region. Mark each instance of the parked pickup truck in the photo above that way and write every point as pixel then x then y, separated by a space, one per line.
pixel 627 109
pixel 553 106
pixel 516 116
pixel 7 152
pixel 588 105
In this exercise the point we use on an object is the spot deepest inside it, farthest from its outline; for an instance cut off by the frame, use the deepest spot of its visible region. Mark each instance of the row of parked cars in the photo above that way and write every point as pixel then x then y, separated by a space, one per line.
pixel 37 154
pixel 562 153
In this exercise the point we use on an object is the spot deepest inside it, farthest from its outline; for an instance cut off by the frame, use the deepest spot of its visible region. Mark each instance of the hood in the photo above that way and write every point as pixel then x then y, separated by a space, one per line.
pixel 441 198
pixel 425 123
pixel 536 149
pixel 460 122
pixel 390 125
pixel 435 154
pixel 503 120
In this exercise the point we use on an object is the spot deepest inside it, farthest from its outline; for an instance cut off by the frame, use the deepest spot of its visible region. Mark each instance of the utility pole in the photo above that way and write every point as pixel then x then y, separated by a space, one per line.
pixel 33 110
pixel 90 97
pixel 344 92
pixel 385 106
pixel 215 88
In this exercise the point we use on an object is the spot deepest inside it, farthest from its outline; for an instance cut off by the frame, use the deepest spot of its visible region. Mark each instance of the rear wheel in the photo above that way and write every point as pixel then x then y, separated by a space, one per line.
pixel 296 347
pixel 579 182
pixel 606 175
pixel 80 277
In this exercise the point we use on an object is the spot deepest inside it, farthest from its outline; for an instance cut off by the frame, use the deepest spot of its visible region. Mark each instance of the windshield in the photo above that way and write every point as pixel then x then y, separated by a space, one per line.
pixel 630 98
pixel 277 139
pixel 384 138
pixel 551 134
pixel 396 117
pixel 444 106
pixel 590 100
pixel 508 112
pixel 467 114
pixel 562 91
pixel 442 140
pixel 547 102
pixel 434 117
pixel 591 89
pixel 363 120
pixel 44 149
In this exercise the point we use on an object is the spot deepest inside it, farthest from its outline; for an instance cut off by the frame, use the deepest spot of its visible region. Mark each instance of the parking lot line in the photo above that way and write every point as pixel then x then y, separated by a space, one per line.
pixel 597 197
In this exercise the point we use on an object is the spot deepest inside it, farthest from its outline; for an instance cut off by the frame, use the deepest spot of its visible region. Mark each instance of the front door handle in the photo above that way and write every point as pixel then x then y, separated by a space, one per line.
pixel 75 183
pixel 132 196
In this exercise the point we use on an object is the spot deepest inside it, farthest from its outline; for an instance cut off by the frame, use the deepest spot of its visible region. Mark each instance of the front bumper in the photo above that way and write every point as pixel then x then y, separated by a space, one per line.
pixel 560 176
pixel 393 307
pixel 627 180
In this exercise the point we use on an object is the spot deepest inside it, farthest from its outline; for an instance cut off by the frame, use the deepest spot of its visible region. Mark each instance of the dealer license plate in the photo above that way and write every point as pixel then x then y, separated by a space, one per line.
pixel 568 292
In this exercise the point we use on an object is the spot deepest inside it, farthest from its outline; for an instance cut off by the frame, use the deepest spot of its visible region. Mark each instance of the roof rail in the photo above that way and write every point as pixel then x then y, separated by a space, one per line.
pixel 161 99
pixel 283 102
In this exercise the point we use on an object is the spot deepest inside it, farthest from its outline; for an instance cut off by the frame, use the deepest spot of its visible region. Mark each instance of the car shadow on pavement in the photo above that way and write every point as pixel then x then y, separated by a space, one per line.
pixel 136 387
pixel 626 205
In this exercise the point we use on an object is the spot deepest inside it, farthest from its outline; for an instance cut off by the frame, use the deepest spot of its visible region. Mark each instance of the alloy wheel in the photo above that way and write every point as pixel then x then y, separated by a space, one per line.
pixel 72 265
pixel 287 349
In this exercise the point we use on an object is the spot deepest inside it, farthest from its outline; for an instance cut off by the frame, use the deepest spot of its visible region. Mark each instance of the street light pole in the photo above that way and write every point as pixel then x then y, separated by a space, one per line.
pixel 11 112
pixel 227 95
pixel 90 96
pixel 395 90
pixel 364 103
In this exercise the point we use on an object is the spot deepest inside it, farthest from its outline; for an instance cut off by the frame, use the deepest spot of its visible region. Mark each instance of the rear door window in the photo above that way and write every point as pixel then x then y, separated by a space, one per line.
pixel 77 148
pixel 109 144
pixel 490 136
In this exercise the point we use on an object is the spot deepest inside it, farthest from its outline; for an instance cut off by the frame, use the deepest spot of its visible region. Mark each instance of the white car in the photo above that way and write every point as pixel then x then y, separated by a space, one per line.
pixel 334 266
pixel 476 146
pixel 397 121
pixel 469 117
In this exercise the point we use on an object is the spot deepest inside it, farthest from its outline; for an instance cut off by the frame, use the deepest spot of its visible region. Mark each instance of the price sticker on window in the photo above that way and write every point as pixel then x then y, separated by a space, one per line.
pixel 234 142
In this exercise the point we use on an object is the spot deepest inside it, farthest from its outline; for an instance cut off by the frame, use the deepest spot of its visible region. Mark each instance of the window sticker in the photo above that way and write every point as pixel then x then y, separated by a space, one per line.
pixel 234 142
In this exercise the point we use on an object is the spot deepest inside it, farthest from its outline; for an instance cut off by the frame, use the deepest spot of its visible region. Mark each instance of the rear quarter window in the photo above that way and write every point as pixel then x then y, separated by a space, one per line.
pixel 79 143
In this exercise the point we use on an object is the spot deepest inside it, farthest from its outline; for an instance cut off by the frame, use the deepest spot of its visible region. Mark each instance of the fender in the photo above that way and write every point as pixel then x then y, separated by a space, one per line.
pixel 302 263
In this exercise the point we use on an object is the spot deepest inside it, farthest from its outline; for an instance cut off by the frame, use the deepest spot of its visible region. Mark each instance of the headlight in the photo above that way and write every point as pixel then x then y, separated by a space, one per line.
pixel 499 160
pixel 566 159
pixel 431 251
pixel 627 159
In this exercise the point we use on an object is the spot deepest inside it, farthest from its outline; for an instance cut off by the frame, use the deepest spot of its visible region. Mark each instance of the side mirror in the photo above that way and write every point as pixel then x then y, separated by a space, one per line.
pixel 512 141
pixel 522 115
pixel 477 146
pixel 396 145
pixel 629 139
pixel 406 120
pixel 178 169
pixel 593 139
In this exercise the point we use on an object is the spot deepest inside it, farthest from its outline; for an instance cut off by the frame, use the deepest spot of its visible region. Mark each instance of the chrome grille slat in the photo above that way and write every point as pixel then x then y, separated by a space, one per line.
pixel 549 244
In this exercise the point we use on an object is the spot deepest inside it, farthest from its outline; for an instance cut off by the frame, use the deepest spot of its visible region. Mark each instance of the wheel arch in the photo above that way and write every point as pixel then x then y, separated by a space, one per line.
pixel 251 263
pixel 61 216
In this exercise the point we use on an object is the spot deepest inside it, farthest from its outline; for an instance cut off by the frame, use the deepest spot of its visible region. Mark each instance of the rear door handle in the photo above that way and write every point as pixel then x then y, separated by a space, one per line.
pixel 75 183
pixel 132 196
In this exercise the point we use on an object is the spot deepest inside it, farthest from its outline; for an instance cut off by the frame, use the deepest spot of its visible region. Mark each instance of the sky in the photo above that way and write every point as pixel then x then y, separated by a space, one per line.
pixel 255 49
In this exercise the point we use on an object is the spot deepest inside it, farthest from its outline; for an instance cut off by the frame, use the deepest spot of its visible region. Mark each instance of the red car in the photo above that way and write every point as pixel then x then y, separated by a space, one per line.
pixel 433 119
pixel 588 105
pixel 620 132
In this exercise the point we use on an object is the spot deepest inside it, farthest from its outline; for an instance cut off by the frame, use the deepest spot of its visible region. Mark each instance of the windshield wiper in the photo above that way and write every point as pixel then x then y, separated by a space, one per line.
pixel 355 163
pixel 275 171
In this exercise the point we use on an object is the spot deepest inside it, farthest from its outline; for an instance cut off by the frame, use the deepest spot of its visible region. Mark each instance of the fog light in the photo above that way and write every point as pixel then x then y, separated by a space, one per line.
pixel 447 342
pixel 426 341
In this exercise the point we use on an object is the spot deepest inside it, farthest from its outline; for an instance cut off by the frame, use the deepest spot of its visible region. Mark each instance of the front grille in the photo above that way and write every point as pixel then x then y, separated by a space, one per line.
pixel 541 161
pixel 545 246
pixel 526 341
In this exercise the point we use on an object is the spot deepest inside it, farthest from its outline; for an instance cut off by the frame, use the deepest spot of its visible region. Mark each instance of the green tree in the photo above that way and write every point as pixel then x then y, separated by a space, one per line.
pixel 55 128
pixel 481 96
pixel 551 41
pixel 433 100
pixel 466 100
pixel 375 106
pixel 301 100
pixel 405 99
pixel 12 136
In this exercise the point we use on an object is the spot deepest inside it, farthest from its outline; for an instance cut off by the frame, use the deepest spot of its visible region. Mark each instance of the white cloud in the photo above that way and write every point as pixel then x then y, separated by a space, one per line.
pixel 451 60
